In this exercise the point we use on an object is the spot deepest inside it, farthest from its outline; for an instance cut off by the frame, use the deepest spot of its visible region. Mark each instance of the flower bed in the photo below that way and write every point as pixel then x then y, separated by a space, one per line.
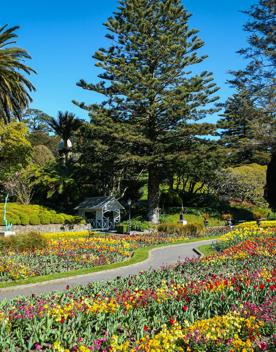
pixel 65 252
pixel 242 234
pixel 224 302
pixel 252 225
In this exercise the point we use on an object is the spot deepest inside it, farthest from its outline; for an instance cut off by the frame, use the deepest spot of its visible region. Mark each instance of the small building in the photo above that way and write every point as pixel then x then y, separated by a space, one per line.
pixel 103 213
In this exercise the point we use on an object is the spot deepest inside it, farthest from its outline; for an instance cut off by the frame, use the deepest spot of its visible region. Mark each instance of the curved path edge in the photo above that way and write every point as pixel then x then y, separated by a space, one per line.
pixel 157 257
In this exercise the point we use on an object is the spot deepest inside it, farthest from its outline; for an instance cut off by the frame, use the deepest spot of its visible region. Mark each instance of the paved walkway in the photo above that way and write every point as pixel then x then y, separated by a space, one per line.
pixel 157 258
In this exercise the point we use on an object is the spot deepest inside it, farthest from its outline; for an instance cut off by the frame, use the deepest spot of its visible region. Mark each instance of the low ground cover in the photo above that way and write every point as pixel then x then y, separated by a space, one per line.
pixel 224 302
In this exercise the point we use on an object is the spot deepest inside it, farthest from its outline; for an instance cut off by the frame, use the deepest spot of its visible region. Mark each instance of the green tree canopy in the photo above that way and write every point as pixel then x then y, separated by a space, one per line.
pixel 258 77
pixel 15 149
pixel 151 90
pixel 244 130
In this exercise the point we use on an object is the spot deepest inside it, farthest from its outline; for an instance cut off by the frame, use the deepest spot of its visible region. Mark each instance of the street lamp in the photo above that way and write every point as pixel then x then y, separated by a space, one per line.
pixel 129 214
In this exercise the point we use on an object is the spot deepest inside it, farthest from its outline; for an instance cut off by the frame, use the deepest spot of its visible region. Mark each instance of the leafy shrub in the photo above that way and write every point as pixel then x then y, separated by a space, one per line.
pixel 137 224
pixel 73 220
pixel 45 218
pixel 190 230
pixel 23 242
pixel 57 219
pixel 34 219
pixel 25 220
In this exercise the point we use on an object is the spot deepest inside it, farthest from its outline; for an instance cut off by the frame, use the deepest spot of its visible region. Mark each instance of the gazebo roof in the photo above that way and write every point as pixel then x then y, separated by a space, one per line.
pixel 95 203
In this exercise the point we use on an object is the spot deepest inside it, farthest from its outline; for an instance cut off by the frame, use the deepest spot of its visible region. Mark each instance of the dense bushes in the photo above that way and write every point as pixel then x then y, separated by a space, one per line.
pixel 190 230
pixel 137 224
pixel 19 214
pixel 21 243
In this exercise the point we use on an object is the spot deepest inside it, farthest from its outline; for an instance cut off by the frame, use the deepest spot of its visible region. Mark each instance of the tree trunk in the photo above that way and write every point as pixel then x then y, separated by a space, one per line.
pixel 270 187
pixel 153 195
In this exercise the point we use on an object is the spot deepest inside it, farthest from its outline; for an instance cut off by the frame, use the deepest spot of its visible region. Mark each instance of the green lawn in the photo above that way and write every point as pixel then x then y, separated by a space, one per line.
pixel 207 249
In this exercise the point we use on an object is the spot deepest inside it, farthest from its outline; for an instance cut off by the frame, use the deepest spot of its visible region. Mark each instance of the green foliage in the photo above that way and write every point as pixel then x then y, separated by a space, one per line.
pixel 37 137
pixel 190 230
pixel 19 214
pixel 42 155
pixel 122 228
pixel 35 220
pixel 194 216
pixel 244 184
pixel 57 219
pixel 137 224
pixel 15 149
pixel 242 124
pixel 24 219
pixel 24 242
pixel 45 218
pixel 36 120
pixel 258 76
pixel 14 86
pixel 151 93
pixel 170 199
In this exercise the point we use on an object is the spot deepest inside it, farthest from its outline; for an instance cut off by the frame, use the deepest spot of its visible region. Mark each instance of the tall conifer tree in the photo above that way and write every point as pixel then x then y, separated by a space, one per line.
pixel 243 127
pixel 152 93
pixel 258 77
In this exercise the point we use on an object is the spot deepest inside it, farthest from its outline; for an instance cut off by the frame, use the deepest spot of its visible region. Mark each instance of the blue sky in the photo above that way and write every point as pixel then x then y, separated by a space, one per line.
pixel 62 35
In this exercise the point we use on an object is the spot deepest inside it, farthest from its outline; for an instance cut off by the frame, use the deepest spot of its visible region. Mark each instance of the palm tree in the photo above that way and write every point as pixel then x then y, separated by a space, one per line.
pixel 64 126
pixel 14 86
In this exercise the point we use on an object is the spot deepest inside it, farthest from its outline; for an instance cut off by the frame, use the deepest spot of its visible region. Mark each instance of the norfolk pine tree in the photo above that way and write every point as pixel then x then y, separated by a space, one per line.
pixel 259 75
pixel 243 125
pixel 151 93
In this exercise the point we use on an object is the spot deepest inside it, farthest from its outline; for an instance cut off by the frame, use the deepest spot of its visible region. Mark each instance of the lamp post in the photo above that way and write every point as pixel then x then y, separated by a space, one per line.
pixel 129 214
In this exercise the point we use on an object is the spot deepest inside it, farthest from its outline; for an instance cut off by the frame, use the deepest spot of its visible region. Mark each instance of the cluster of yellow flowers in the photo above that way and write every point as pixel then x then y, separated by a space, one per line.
pixel 88 306
pixel 57 347
pixel 252 225
pixel 14 270
pixel 219 329
pixel 66 234
pixel 243 234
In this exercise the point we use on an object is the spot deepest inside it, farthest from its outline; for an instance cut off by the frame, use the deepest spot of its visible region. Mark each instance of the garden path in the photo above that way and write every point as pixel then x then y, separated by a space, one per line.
pixel 158 257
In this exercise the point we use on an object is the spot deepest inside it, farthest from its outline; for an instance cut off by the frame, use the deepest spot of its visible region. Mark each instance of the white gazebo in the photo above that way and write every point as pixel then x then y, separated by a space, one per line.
pixel 103 213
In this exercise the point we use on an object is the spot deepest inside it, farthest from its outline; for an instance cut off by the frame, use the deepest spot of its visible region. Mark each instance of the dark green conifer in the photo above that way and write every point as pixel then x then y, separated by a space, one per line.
pixel 243 130
pixel 258 77
pixel 152 92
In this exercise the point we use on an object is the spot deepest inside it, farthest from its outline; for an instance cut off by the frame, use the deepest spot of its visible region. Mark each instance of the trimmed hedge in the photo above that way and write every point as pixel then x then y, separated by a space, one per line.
pixel 20 214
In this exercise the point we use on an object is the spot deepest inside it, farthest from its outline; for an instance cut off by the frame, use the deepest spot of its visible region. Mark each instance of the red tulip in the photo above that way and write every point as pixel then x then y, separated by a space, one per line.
pixel 171 321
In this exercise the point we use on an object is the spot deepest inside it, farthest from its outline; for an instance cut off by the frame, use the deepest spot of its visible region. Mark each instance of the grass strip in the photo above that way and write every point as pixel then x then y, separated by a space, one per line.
pixel 207 249
pixel 140 255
